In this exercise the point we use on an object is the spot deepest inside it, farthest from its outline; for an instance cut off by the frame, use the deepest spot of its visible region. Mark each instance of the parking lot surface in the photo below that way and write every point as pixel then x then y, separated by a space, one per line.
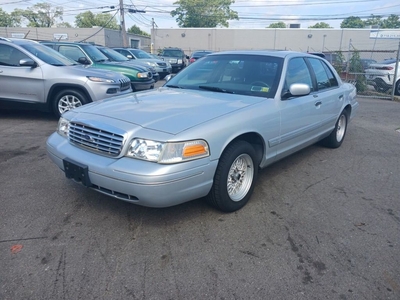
pixel 321 224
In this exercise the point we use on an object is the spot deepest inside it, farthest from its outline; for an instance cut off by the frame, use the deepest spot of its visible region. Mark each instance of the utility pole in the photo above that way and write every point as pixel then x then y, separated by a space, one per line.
pixel 123 29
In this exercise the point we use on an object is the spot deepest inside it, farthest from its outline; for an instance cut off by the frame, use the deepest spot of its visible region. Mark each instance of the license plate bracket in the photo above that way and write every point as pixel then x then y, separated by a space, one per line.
pixel 77 171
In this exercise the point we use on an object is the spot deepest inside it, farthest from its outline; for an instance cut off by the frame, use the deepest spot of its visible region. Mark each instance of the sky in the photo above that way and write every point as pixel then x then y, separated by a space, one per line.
pixel 252 13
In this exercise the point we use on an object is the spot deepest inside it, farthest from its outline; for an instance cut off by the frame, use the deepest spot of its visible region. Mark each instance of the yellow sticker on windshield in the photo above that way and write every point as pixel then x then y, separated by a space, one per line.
pixel 263 89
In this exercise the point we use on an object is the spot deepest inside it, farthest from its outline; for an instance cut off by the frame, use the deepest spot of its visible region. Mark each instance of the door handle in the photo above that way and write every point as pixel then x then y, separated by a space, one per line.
pixel 318 103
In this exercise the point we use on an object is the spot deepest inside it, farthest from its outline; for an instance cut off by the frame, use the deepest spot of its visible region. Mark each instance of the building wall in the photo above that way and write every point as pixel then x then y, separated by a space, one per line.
pixel 303 40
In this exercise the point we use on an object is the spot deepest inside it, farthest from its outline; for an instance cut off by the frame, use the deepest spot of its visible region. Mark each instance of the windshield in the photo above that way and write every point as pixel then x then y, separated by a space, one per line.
pixel 48 55
pixel 112 54
pixel 256 75
pixel 95 54
pixel 172 53
pixel 140 54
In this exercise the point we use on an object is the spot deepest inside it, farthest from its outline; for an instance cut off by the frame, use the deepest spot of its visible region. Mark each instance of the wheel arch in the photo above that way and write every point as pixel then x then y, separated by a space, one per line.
pixel 56 88
pixel 253 139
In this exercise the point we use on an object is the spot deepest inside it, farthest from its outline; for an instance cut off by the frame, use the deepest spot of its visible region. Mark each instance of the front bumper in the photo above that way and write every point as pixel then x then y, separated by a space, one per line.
pixel 142 85
pixel 140 182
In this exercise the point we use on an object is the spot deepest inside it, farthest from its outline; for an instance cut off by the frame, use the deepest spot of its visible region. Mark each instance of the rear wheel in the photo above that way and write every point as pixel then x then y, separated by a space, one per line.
pixel 68 99
pixel 234 178
pixel 397 88
pixel 335 139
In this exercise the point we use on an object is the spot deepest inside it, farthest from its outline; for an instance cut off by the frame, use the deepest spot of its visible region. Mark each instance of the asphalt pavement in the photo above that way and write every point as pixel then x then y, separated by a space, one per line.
pixel 321 224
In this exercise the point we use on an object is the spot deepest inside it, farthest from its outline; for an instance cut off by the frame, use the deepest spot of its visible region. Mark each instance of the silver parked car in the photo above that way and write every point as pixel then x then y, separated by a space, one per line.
pixel 38 77
pixel 207 131
pixel 162 67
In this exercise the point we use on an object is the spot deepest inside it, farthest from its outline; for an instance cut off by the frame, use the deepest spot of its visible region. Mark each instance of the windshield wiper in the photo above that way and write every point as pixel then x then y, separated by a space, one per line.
pixel 215 89
pixel 174 86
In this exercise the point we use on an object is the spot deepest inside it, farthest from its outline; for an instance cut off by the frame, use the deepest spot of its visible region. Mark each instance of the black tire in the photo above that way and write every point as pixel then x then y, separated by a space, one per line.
pixel 231 175
pixel 67 100
pixel 397 88
pixel 335 139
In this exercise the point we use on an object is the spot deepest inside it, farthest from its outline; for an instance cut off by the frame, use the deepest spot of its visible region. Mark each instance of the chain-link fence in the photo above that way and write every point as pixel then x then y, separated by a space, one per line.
pixel 375 73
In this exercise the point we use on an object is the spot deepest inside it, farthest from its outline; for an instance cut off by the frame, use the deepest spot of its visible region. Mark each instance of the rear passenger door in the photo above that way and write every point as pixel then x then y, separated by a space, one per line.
pixel 329 97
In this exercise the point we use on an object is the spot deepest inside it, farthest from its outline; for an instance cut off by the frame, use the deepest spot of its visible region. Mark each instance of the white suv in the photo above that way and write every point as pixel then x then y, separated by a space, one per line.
pixel 380 76
pixel 36 76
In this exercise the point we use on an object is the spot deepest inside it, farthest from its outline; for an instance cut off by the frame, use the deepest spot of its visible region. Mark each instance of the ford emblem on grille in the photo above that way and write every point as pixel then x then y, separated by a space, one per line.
pixel 88 138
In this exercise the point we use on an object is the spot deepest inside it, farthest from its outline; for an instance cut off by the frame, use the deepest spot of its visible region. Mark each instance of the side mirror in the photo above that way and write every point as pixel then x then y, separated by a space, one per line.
pixel 27 62
pixel 83 61
pixel 129 56
pixel 168 77
pixel 296 90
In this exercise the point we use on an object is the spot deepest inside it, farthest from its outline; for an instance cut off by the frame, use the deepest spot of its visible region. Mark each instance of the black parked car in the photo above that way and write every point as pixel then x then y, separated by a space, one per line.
pixel 176 57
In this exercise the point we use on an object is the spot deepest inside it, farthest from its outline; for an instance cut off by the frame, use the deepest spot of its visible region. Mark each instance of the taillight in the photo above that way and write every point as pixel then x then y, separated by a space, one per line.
pixel 385 68
pixel 192 60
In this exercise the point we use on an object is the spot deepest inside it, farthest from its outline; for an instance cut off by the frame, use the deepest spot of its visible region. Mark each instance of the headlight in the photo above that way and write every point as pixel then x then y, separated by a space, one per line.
pixel 99 79
pixel 63 127
pixel 152 64
pixel 142 75
pixel 179 61
pixel 167 153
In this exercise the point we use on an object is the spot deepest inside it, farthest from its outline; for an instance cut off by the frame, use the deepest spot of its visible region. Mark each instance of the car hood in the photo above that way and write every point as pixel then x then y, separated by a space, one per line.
pixel 168 110
pixel 127 65
pixel 95 72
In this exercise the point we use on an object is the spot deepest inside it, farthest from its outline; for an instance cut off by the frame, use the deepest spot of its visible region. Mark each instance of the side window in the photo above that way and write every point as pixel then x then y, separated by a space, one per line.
pixel 10 56
pixel 297 72
pixel 71 52
pixel 324 79
pixel 332 78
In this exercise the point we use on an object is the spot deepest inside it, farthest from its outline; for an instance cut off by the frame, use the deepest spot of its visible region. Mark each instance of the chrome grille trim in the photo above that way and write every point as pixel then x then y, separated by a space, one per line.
pixel 124 84
pixel 97 140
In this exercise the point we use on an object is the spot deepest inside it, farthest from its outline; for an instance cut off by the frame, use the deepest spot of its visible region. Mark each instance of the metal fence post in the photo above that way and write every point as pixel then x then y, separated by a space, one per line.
pixel 395 73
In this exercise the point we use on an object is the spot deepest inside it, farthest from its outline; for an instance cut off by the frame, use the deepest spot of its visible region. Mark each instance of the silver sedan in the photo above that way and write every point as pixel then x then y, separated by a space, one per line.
pixel 207 131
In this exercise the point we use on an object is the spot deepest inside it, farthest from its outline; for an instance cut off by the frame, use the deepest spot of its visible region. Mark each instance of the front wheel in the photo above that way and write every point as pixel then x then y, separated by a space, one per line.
pixel 67 100
pixel 335 139
pixel 234 178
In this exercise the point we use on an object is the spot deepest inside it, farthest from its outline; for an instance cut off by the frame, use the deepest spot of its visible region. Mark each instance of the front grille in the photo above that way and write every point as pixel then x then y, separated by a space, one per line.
pixel 97 140
pixel 124 84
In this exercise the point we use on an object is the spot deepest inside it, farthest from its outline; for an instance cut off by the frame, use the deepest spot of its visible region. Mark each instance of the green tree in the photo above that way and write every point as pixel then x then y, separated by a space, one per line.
pixel 356 67
pixel 373 20
pixel 320 25
pixel 88 19
pixel 391 22
pixel 204 14
pixel 352 22
pixel 9 20
pixel 64 25
pixel 40 15
pixel 136 30
pixel 277 25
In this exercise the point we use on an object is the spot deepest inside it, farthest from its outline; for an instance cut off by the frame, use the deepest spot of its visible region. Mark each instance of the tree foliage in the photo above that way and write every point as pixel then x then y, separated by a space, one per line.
pixel 277 25
pixel 40 15
pixel 204 14
pixel 136 30
pixel 88 19
pixel 355 66
pixel 390 22
pixel 320 25
pixel 352 22
pixel 9 20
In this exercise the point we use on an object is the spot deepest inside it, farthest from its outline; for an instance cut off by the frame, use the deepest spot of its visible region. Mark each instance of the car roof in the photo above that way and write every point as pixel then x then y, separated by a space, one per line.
pixel 18 41
pixel 276 53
